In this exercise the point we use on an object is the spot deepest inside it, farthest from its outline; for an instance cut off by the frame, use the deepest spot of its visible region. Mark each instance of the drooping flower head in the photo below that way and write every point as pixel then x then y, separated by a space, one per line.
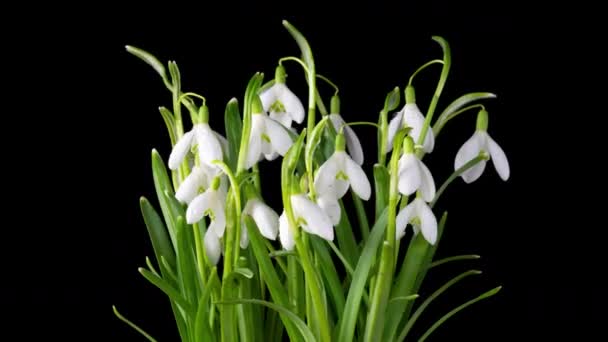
pixel 353 144
pixel 265 218
pixel 201 137
pixel 282 104
pixel 309 216
pixel 210 203
pixel 413 174
pixel 481 142
pixel 267 137
pixel 410 116
pixel 422 219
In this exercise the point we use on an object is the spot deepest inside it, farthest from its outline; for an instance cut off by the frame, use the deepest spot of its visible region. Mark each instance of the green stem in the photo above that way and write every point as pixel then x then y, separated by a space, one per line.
pixel 454 258
pixel 424 66
pixel 328 81
pixel 455 175
pixel 447 62
pixel 200 252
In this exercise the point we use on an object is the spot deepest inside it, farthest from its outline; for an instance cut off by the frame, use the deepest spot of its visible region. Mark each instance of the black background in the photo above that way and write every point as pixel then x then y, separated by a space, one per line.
pixel 536 233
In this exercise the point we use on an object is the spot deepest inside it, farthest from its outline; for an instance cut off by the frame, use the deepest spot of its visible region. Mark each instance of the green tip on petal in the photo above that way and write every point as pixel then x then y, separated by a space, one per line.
pixel 279 74
pixel 250 192
pixel 410 94
pixel 340 142
pixel 335 104
pixel 482 120
pixel 203 114
pixel 256 105
pixel 408 145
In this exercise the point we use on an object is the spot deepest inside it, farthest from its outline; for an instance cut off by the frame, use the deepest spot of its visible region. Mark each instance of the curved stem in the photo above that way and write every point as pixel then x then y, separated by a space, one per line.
pixel 328 81
pixel 440 123
pixel 424 66
pixel 295 59
pixel 455 175
pixel 362 123
pixel 183 95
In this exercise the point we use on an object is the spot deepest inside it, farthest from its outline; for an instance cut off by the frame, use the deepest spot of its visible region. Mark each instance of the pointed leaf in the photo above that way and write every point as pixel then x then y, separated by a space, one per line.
pixel 234 128
pixel 162 183
pixel 158 233
pixel 381 179
pixel 392 100
pixel 132 325
pixel 449 112
pixel 149 59
pixel 170 291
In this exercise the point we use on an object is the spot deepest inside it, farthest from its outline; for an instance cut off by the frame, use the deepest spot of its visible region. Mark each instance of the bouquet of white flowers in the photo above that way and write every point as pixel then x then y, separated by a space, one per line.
pixel 216 259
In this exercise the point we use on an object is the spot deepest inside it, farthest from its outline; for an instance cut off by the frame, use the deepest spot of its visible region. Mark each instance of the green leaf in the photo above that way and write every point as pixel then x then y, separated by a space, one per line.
pixel 162 183
pixel 430 299
pixel 244 272
pixel 346 238
pixel 456 310
pixel 202 330
pixel 132 325
pixel 409 279
pixel 158 233
pixel 186 261
pixel 448 112
pixel 167 272
pixel 315 138
pixel 361 215
pixel 234 128
pixel 454 258
pixel 293 318
pixel 381 179
pixel 330 274
pixel 149 59
pixel 357 287
pixel 167 289
pixel 169 122
pixel 392 100
pixel 271 278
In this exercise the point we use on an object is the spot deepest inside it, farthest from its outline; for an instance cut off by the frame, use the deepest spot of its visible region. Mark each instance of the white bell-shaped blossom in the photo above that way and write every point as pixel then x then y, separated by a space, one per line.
pixel 309 216
pixel 197 182
pixel 481 142
pixel 353 144
pixel 264 217
pixel 282 104
pixel 208 143
pixel 213 246
pixel 421 217
pixel 328 202
pixel 415 176
pixel 338 173
pixel 210 203
pixel 266 138
pixel 410 116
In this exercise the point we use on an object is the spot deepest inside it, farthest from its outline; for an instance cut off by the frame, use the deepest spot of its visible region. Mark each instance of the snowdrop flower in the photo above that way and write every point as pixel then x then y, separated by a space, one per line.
pixel 283 105
pixel 208 143
pixel 339 172
pixel 481 142
pixel 352 141
pixel 210 203
pixel 329 204
pixel 213 247
pixel 264 217
pixel 413 174
pixel 266 138
pixel 197 182
pixel 410 116
pixel 307 215
pixel 421 217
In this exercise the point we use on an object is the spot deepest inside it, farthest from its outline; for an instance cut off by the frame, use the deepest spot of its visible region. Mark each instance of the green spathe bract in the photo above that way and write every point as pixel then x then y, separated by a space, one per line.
pixel 354 289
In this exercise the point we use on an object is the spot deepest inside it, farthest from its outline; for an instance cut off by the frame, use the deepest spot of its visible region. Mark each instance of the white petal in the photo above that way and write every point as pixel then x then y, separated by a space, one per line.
pixel 325 179
pixel 198 206
pixel 255 140
pixel 282 117
pixel 217 206
pixel 427 187
pixel 285 234
pixel 331 207
pixel 469 150
pixel 279 138
pixel 352 141
pixel 412 117
pixel 501 164
pixel 393 126
pixel 188 189
pixel 317 221
pixel 357 178
pixel 265 218
pixel 290 101
pixel 269 96
pixel 180 150
pixel 410 178
pixel 271 156
pixel 402 220
pixel 474 173
pixel 213 248
pixel 428 222
pixel 209 146
pixel 223 142
pixel 244 241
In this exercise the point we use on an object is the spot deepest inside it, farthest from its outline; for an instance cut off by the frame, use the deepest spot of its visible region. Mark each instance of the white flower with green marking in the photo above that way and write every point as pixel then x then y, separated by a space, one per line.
pixel 413 174
pixel 280 102
pixel 421 217
pixel 210 203
pixel 208 144
pixel 265 218
pixel 353 145
pixel 410 116
pixel 481 142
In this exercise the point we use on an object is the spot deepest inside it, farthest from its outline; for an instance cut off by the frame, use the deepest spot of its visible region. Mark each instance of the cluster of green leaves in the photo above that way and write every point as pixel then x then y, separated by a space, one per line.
pixel 263 293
